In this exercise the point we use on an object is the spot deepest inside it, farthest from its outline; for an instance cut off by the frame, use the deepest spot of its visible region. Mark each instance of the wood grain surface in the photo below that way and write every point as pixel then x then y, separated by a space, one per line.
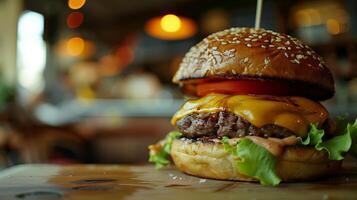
pixel 118 182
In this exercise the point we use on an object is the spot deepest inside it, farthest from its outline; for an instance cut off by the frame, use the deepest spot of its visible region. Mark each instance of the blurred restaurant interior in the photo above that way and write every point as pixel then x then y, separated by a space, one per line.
pixel 89 81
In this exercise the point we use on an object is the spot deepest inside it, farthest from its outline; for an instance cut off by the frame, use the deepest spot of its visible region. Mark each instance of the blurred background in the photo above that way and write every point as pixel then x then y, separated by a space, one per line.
pixel 89 81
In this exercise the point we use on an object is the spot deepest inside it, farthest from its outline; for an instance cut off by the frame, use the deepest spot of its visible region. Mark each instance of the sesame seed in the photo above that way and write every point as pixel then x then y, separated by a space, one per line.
pixel 271 45
pixel 286 55
pixel 214 60
pixel 266 60
pixel 202 180
pixel 249 45
pixel 246 60
pixel 247 39
pixel 299 56
pixel 254 40
pixel 214 52
pixel 263 46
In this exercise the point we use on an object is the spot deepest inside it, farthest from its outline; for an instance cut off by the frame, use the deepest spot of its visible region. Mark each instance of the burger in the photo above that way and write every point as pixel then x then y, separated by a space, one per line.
pixel 255 113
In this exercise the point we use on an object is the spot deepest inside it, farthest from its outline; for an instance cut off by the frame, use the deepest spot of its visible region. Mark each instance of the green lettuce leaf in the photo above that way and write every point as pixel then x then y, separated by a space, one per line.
pixel 253 160
pixel 352 130
pixel 314 137
pixel 161 157
pixel 335 146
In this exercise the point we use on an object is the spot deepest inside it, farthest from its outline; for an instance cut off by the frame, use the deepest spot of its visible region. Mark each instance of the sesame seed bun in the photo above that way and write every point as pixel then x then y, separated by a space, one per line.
pixel 246 53
pixel 210 160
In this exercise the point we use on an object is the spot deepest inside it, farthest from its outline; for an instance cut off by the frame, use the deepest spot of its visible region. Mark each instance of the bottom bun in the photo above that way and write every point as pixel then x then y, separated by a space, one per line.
pixel 209 160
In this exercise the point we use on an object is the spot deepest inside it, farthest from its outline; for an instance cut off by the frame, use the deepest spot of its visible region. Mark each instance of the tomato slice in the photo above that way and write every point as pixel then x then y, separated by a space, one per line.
pixel 246 87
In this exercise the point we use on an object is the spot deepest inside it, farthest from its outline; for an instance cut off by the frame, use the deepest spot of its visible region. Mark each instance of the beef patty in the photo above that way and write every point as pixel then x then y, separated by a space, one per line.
pixel 226 124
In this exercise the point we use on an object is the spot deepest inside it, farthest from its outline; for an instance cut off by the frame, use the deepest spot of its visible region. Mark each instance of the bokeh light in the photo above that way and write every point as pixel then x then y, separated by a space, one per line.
pixel 308 17
pixel 76 4
pixel 74 19
pixel 170 23
pixel 171 27
pixel 75 46
pixel 333 26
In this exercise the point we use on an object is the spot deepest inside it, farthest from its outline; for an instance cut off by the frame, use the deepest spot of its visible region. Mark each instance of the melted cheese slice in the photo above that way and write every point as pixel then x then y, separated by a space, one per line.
pixel 293 113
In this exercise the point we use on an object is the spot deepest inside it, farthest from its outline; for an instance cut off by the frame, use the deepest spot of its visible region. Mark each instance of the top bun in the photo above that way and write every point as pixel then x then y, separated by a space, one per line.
pixel 247 53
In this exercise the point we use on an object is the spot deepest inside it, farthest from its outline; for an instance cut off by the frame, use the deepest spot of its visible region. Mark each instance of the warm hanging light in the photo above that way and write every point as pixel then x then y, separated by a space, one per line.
pixel 171 27
pixel 75 46
pixel 74 19
pixel 76 4
pixel 170 23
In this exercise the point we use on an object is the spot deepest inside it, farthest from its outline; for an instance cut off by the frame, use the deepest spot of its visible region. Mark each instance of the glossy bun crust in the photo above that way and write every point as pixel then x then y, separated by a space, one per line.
pixel 246 53
pixel 209 160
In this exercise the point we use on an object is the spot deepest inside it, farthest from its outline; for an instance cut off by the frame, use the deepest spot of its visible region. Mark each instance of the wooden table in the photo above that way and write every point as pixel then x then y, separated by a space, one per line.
pixel 117 182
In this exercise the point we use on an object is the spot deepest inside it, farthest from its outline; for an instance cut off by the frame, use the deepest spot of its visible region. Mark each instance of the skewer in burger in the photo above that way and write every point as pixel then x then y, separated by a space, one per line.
pixel 257 115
